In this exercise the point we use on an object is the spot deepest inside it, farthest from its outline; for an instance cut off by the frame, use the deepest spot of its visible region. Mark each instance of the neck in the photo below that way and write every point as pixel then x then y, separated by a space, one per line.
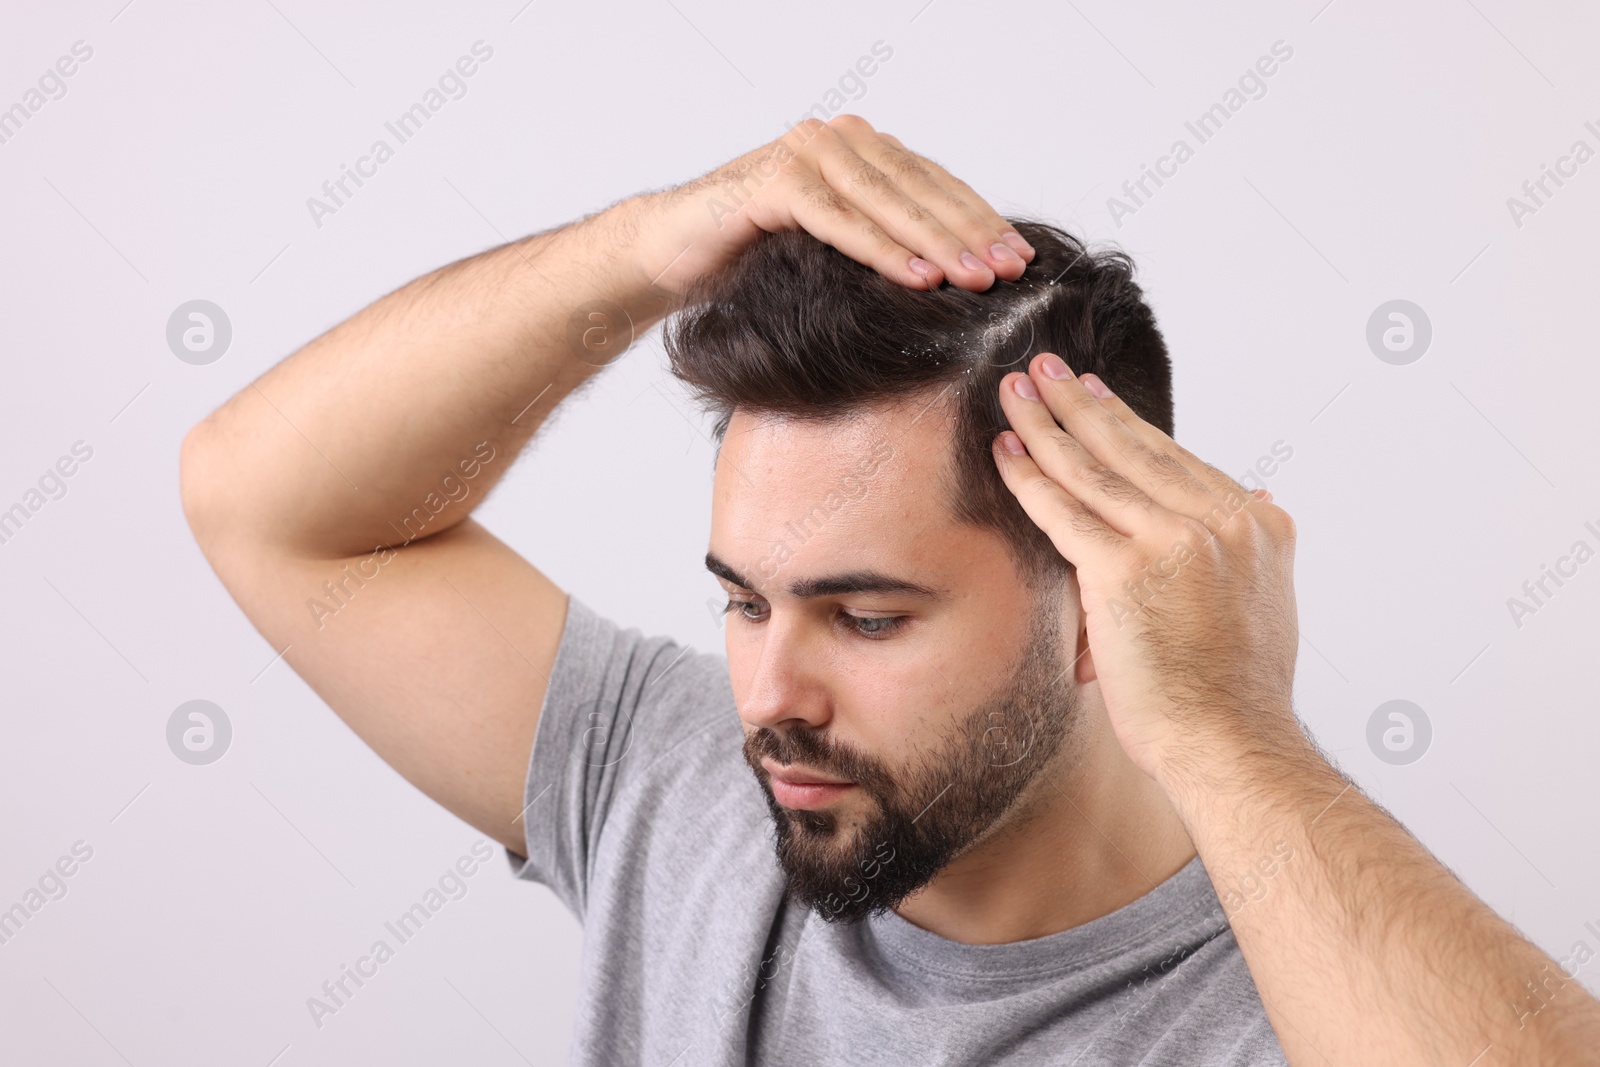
pixel 1091 834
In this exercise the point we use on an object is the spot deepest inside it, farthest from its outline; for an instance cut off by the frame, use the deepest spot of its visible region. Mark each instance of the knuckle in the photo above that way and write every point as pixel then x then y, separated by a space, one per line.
pixel 935 168
pixel 864 173
pixel 1076 517
pixel 1042 485
pixel 1113 485
pixel 1196 533
pixel 1084 401
pixel 947 244
pixel 1168 470
pixel 1236 503
pixel 1067 446
pixel 850 123
pixel 964 196
pixel 875 234
pixel 1279 521
pixel 826 198
pixel 1174 530
pixel 808 129
pixel 1088 526
pixel 829 139
pixel 903 165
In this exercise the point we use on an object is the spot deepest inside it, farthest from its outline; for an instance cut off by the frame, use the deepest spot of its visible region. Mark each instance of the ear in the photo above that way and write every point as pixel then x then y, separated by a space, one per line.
pixel 1083 658
pixel 1084 671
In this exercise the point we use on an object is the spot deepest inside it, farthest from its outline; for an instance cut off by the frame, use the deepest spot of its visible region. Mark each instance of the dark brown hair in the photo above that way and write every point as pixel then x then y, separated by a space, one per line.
pixel 794 327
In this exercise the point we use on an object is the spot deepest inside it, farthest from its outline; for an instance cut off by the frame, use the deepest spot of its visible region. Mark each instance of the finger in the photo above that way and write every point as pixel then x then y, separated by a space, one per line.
pixel 823 212
pixel 963 198
pixel 1115 444
pixel 1168 458
pixel 960 211
pixel 1117 502
pixel 912 221
pixel 1082 538
pixel 1158 439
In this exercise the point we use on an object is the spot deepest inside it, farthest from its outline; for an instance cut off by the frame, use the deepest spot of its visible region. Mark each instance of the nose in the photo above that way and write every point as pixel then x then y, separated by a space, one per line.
pixel 783 681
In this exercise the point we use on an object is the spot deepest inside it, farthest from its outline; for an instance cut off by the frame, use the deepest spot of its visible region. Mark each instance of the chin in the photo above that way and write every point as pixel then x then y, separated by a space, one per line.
pixel 847 869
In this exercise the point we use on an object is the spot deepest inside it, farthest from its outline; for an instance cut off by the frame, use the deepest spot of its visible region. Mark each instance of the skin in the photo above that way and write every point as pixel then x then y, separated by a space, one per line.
pixel 1365 950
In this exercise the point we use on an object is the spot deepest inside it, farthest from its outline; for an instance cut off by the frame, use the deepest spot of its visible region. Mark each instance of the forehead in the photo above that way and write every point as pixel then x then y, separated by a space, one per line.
pixel 868 490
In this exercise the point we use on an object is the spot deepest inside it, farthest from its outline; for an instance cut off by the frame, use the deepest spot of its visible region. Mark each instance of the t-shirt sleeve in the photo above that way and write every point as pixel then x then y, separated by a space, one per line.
pixel 616 701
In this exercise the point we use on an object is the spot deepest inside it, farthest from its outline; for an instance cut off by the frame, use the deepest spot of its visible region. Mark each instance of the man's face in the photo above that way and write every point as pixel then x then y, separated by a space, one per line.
pixel 875 641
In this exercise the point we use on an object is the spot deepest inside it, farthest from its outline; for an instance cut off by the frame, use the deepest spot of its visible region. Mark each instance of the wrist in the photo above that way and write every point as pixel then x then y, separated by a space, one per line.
pixel 1241 772
pixel 591 270
pixel 656 232
pixel 633 232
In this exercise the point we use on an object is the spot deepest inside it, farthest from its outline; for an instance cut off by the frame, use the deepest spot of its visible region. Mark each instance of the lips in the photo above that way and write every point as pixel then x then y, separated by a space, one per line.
pixel 797 787
pixel 800 776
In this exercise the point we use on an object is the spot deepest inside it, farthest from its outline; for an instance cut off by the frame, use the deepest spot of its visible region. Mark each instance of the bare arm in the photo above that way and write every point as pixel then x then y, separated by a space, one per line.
pixel 333 495
pixel 1365 948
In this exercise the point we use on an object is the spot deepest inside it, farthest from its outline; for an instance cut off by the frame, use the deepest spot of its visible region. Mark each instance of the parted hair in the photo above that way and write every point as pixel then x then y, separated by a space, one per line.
pixel 794 327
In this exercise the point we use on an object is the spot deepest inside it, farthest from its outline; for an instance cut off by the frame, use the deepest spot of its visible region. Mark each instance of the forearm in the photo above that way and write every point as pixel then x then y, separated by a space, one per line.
pixel 331 450
pixel 1365 948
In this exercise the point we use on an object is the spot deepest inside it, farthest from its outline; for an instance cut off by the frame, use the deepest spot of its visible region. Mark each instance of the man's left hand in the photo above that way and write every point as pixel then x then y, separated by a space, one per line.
pixel 1186 577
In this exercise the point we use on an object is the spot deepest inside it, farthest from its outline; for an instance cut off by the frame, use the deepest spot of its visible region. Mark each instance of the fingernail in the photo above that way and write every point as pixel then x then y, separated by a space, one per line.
pixel 1051 364
pixel 1012 443
pixel 920 265
pixel 1003 252
pixel 972 262
pixel 1016 241
pixel 1025 388
pixel 1095 386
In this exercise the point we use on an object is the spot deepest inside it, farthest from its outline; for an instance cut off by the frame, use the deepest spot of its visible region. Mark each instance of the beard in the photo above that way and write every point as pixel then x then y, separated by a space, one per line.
pixel 930 812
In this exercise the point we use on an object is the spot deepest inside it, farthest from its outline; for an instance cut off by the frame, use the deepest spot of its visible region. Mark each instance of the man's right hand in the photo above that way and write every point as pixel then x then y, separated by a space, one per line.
pixel 855 188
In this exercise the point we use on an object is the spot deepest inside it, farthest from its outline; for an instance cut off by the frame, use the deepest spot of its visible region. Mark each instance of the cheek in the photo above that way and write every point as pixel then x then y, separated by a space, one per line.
pixel 898 714
pixel 742 653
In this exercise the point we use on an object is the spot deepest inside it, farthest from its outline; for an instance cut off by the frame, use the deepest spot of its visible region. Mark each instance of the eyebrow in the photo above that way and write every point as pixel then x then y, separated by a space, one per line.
pixel 866 582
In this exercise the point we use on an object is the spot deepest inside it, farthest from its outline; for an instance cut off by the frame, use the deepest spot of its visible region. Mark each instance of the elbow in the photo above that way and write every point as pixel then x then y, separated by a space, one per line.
pixel 200 468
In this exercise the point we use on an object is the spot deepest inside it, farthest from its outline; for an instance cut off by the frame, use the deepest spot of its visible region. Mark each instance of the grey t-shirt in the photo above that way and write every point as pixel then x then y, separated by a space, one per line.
pixel 645 820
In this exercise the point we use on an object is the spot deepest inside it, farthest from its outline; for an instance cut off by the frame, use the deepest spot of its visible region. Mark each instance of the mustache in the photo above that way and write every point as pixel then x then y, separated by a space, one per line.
pixel 814 750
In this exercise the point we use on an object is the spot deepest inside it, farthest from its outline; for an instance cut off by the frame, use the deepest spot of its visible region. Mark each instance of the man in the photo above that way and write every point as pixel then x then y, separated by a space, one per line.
pixel 1000 765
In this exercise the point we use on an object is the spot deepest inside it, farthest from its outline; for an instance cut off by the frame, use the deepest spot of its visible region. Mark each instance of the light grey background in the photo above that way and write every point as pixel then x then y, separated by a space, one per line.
pixel 178 165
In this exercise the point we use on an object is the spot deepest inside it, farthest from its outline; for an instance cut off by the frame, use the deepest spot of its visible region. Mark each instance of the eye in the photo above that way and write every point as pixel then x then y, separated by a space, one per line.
pixel 743 608
pixel 875 626
pixel 872 627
